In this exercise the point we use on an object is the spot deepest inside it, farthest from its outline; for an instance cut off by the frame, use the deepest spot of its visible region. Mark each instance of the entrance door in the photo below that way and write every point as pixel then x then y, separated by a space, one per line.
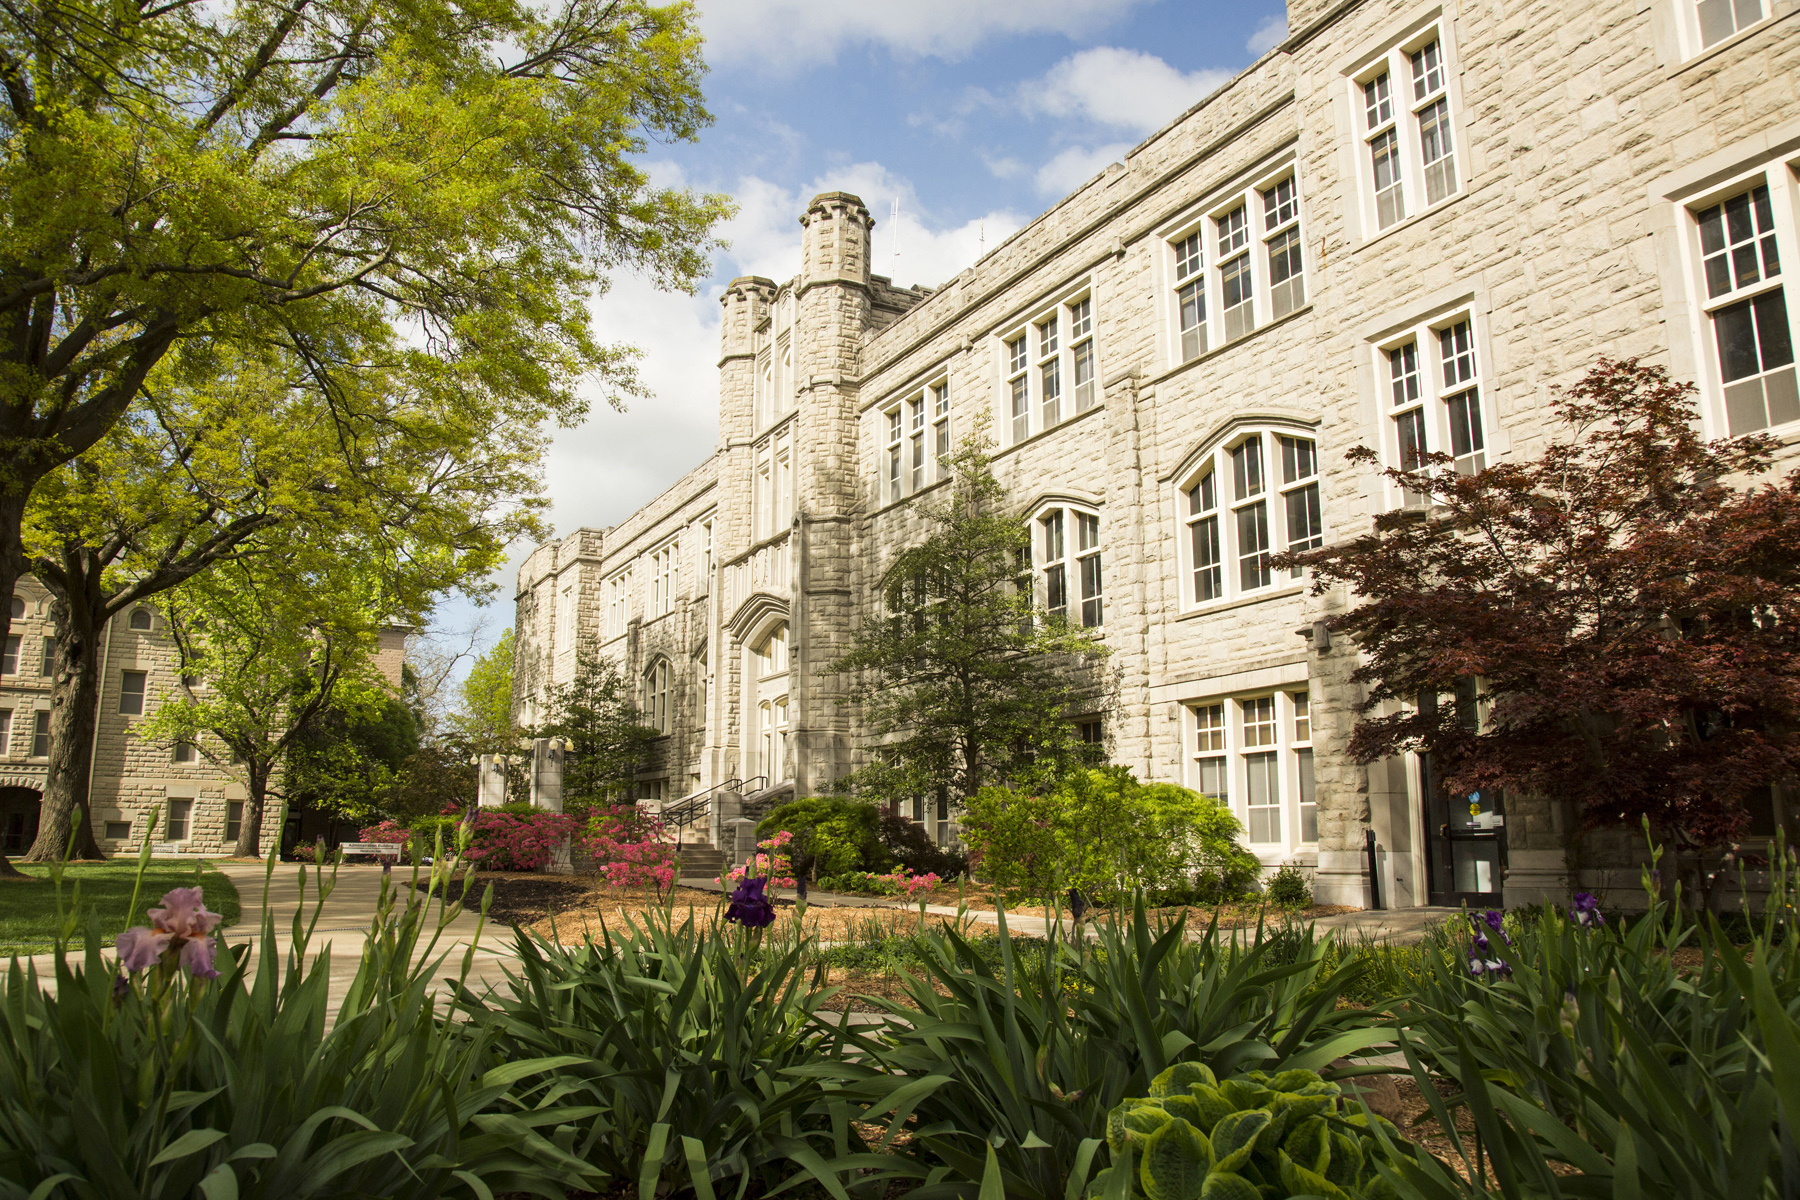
pixel 1466 843
pixel 19 808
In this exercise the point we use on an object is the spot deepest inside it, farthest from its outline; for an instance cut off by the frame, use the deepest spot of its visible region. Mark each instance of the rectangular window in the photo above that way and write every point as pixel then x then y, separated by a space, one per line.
pixel 1281 216
pixel 1411 161
pixel 1087 546
pixel 48 666
pixel 118 831
pixel 1203 527
pixel 1262 797
pixel 1303 767
pixel 1720 19
pixel 1056 577
pixel 1190 297
pixel 1253 547
pixel 1212 775
pixel 1436 411
pixel 180 812
pixel 186 752
pixel 940 424
pixel 706 549
pixel 1300 496
pixel 1019 387
pixel 916 441
pixel 40 733
pixel 234 819
pixel 1049 373
pixel 9 661
pixel 131 693
pixel 1081 336
pixel 1753 332
pixel 1237 294
pixel 896 481
pixel 5 731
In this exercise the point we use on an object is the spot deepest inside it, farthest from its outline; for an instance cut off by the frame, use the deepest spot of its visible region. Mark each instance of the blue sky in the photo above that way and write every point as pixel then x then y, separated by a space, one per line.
pixel 975 115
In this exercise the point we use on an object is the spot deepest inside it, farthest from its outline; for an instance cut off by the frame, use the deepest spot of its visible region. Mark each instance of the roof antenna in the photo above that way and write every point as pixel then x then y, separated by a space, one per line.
pixel 894 269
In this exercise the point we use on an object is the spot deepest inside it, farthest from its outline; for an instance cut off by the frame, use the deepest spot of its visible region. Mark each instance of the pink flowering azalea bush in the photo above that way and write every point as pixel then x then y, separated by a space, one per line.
pixel 179 936
pixel 773 861
pixel 517 841
pixel 388 830
pixel 627 847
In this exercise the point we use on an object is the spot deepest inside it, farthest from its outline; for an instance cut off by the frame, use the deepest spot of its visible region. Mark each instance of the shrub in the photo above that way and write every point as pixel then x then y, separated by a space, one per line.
pixel 911 847
pixel 517 841
pixel 1106 833
pixel 1289 887
pixel 627 847
pixel 1285 1135
pixel 898 882
pixel 831 835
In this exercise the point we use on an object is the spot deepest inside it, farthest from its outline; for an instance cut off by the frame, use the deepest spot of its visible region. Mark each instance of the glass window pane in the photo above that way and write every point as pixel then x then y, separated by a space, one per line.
pixel 1253 546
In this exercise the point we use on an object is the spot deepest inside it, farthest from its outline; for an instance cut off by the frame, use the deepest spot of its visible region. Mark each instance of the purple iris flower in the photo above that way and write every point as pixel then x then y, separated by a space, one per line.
pixel 183 925
pixel 749 906
pixel 1495 920
pixel 1586 910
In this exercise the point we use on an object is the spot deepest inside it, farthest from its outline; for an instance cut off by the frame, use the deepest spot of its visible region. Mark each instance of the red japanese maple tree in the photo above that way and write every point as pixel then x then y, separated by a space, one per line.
pixel 1629 601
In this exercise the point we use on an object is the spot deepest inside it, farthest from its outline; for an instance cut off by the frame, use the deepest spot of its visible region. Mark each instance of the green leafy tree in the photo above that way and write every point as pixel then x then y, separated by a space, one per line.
pixel 352 765
pixel 244 463
pixel 597 715
pixel 427 190
pixel 264 658
pixel 483 722
pixel 966 681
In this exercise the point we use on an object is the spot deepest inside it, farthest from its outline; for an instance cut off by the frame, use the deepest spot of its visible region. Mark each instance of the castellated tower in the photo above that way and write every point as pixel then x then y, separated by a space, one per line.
pixel 832 318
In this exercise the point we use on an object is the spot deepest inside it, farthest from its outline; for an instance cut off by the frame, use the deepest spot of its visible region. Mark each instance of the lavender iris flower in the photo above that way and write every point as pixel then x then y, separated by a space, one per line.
pixel 749 906
pixel 1586 910
pixel 182 925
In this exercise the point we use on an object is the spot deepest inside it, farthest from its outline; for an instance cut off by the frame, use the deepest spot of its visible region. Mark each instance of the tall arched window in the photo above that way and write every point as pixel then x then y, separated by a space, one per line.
pixel 1242 502
pixel 1069 569
pixel 656 696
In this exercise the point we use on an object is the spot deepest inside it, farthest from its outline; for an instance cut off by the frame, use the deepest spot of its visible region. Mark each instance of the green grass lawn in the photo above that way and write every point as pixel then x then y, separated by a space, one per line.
pixel 28 911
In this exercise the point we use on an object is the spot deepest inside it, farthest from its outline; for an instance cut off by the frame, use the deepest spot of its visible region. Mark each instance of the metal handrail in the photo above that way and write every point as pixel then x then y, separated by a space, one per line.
pixel 690 808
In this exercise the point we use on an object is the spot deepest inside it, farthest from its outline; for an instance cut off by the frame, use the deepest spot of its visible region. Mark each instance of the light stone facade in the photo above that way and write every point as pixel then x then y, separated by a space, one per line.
pixel 1445 209
pixel 196 802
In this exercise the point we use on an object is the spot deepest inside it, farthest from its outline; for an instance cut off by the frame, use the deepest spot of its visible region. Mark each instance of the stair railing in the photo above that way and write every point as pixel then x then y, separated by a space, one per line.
pixel 690 810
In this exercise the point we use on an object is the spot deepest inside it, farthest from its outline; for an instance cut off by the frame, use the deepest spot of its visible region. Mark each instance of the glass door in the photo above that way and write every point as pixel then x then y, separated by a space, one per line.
pixel 1466 839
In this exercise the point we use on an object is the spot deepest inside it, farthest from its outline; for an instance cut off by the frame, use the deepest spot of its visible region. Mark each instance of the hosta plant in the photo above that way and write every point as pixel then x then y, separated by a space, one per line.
pixel 1196 1138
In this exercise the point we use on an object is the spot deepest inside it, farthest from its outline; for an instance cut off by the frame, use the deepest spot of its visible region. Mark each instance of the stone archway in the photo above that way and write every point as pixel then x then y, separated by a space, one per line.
pixel 19 808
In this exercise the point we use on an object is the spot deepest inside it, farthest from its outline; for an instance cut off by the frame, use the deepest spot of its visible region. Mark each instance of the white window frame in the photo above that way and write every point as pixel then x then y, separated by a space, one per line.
pixel 565 617
pixel 1049 366
pixel 1430 395
pixel 1254 231
pixel 6 731
pixel 1224 731
pixel 657 689
pixel 142 693
pixel 665 567
pixel 1421 113
pixel 1694 16
pixel 1067 554
pixel 1723 400
pixel 771 653
pixel 773 498
pixel 706 549
pixel 1290 491
pixel 618 603
pixel 40 732
pixel 914 433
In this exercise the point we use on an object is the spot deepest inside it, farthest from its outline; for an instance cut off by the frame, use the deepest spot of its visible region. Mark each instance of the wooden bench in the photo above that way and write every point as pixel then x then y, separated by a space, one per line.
pixel 374 850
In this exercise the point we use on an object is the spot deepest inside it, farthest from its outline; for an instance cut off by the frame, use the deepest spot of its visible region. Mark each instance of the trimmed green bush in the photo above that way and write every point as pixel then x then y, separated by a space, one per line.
pixel 1289 887
pixel 832 835
pixel 1109 834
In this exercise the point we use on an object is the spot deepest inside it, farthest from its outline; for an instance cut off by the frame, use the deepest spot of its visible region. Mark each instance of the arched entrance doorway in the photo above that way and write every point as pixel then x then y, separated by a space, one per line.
pixel 18 818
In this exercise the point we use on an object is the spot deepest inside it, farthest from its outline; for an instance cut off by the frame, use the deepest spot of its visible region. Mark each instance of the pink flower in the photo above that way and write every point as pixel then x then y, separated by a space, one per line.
pixel 179 932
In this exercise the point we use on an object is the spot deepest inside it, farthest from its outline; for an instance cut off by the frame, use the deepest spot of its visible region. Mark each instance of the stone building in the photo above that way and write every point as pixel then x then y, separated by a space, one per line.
pixel 198 803
pixel 1398 228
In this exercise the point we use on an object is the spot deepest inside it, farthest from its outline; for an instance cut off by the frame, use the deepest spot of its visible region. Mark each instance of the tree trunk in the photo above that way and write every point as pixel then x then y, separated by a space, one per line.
pixel 74 710
pixel 12 565
pixel 249 843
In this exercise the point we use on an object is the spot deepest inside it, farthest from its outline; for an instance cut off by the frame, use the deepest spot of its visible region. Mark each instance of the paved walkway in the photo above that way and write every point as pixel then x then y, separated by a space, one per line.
pixel 342 922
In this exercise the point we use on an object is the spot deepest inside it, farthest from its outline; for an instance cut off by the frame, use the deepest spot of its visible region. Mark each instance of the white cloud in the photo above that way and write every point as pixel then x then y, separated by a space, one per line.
pixel 1075 166
pixel 1127 89
pixel 783 33
pixel 1270 34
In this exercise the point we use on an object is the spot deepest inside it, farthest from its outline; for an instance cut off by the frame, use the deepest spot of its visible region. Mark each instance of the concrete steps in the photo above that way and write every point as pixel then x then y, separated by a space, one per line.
pixel 701 860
